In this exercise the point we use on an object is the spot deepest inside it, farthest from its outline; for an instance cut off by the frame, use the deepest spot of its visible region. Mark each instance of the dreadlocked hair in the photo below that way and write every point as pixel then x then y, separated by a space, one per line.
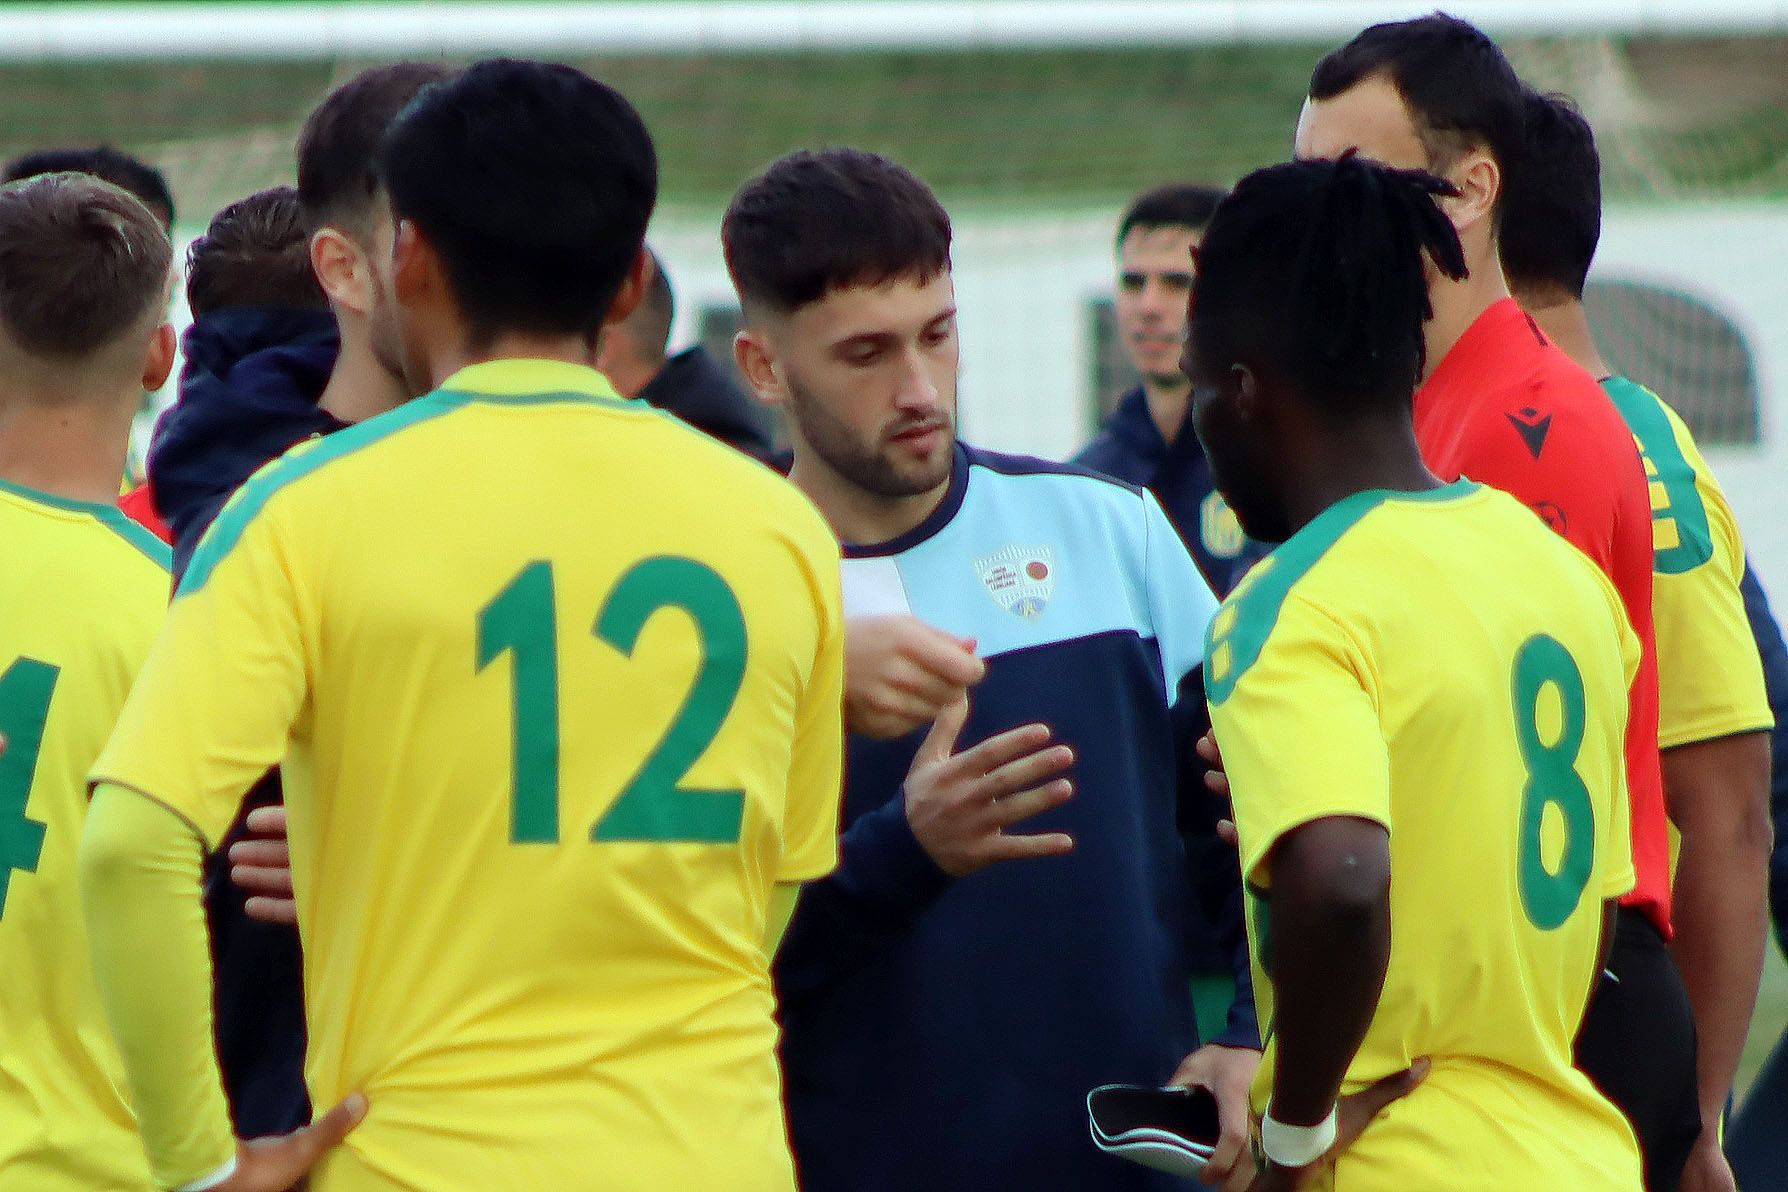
pixel 1317 270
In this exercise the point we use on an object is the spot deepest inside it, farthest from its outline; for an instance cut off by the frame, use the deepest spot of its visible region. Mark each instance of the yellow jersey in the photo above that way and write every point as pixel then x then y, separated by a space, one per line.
pixel 1710 678
pixel 557 685
pixel 82 592
pixel 1445 665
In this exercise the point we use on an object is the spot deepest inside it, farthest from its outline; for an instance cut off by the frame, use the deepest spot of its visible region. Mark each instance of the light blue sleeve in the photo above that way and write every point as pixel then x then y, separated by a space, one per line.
pixel 1181 604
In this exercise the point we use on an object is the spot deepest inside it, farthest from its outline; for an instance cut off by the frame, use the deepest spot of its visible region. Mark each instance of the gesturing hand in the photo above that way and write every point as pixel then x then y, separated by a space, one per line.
pixel 960 804
pixel 900 673
pixel 261 867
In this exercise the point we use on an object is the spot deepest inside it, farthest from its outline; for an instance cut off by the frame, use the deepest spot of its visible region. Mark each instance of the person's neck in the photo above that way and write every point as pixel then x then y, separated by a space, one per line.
pixel 1337 465
pixel 630 374
pixel 512 345
pixel 359 387
pixel 1566 324
pixel 73 449
pixel 859 517
pixel 1458 304
pixel 1167 404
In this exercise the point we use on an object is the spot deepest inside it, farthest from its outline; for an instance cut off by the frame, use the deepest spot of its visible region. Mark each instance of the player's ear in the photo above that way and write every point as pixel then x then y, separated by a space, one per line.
pixel 415 266
pixel 1246 387
pixel 1479 179
pixel 159 362
pixel 342 270
pixel 757 363
pixel 633 287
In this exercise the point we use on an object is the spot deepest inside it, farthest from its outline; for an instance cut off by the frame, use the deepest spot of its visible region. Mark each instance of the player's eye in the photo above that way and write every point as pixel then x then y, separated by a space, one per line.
pixel 1177 281
pixel 1130 283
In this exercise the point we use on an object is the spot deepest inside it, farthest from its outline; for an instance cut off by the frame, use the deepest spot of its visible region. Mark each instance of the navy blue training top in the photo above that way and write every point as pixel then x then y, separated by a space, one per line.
pixel 1775 678
pixel 944 1034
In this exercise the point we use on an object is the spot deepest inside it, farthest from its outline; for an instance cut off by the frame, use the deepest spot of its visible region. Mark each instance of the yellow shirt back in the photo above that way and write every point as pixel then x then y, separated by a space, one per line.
pixel 81 594
pixel 1710 678
pixel 1447 666
pixel 557 682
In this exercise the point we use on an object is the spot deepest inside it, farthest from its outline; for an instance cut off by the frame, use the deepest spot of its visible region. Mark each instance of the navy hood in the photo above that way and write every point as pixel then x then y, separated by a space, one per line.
pixel 248 392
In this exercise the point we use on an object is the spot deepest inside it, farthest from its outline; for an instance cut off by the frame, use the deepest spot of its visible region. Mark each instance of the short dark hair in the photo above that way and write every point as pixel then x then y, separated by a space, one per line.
pixel 1552 213
pixel 831 219
pixel 1176 205
pixel 534 184
pixel 338 147
pixel 82 263
pixel 1459 87
pixel 1317 268
pixel 113 165
pixel 255 253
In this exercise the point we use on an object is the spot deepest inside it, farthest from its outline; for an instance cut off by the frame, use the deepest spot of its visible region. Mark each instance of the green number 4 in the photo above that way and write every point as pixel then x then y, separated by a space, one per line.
pixel 1550 896
pixel 653 805
pixel 25 691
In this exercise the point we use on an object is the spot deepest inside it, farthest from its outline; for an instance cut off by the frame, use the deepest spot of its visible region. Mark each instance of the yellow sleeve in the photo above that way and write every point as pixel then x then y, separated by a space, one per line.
pixel 816 770
pixel 140 867
pixel 1710 678
pixel 215 703
pixel 1309 684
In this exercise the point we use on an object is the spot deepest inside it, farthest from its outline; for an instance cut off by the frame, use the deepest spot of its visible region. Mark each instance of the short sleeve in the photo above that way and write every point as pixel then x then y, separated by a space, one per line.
pixel 1300 732
pixel 214 705
pixel 1710 675
pixel 810 826
pixel 1180 601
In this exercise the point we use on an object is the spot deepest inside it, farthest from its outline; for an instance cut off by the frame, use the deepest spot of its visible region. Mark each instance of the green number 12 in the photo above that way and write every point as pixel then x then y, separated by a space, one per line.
pixel 25 691
pixel 653 805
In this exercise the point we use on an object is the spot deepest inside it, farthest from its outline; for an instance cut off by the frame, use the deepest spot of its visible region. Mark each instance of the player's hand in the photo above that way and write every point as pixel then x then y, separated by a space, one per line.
pixel 1707 1169
pixel 960 804
pixel 280 1164
pixel 261 867
pixel 900 673
pixel 1228 1073
pixel 1214 779
pixel 1355 1112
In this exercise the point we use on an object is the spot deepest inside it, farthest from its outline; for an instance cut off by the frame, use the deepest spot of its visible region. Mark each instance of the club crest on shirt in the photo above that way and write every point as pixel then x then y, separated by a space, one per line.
pixel 1218 526
pixel 1021 579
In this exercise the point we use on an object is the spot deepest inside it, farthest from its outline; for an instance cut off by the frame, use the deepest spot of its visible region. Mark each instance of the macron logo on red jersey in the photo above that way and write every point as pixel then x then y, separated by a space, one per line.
pixel 1532 426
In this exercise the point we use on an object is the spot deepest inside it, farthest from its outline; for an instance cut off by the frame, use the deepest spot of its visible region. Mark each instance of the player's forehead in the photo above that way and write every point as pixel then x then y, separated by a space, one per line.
pixel 901 307
pixel 1166 248
pixel 1370 116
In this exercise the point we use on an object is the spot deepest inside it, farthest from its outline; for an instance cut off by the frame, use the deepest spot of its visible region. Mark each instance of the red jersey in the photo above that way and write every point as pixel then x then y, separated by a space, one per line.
pixel 139 505
pixel 1509 409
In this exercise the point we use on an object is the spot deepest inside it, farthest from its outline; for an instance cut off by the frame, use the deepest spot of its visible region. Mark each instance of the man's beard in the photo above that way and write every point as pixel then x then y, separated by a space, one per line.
pixel 865 465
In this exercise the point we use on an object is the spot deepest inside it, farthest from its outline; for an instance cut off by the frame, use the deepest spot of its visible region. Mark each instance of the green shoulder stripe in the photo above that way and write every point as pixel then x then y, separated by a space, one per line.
pixel 109 516
pixel 253 496
pixel 153 548
pixel 1681 539
pixel 1239 631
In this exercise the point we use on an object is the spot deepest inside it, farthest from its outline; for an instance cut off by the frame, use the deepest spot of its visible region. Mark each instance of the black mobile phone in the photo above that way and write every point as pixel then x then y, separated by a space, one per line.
pixel 1118 1110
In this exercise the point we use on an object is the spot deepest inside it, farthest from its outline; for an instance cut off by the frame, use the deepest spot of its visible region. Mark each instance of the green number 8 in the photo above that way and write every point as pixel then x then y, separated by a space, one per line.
pixel 1550 896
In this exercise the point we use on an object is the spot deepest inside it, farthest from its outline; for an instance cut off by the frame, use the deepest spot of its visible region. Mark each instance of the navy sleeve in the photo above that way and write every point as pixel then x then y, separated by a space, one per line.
pixel 1775 678
pixel 884 880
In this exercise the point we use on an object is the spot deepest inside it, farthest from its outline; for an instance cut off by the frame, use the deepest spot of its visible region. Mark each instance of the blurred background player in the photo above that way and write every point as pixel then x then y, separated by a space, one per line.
pixel 537 827
pixel 1504 406
pixel 84 282
pixel 1156 238
pixel 1145 442
pixel 953 992
pixel 128 173
pixel 690 384
pixel 282 286
pixel 1714 713
pixel 1408 784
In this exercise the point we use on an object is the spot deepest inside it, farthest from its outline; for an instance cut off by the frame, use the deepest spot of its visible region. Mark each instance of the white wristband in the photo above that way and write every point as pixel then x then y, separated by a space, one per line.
pixel 1296 1146
pixel 217 1177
